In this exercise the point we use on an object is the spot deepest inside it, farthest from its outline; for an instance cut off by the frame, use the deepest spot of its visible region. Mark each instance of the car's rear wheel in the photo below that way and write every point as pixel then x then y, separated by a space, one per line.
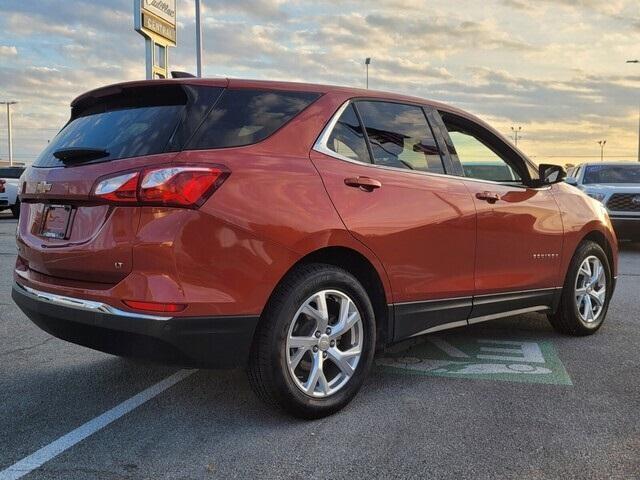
pixel 315 342
pixel 586 292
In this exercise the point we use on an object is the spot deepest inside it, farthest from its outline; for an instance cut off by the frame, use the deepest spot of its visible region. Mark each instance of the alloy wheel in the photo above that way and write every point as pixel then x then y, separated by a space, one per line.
pixel 324 343
pixel 590 290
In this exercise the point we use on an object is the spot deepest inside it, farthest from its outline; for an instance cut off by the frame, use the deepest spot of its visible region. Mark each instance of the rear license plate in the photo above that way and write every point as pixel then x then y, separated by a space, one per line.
pixel 56 221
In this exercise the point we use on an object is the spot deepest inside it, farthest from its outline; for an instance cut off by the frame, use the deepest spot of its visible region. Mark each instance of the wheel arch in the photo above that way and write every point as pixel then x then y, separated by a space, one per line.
pixel 365 272
pixel 599 238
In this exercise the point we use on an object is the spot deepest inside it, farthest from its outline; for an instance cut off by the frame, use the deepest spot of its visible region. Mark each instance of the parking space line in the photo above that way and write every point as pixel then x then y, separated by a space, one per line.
pixel 55 448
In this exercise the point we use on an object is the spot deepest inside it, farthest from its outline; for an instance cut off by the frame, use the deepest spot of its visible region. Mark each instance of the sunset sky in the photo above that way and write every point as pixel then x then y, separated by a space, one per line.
pixel 555 67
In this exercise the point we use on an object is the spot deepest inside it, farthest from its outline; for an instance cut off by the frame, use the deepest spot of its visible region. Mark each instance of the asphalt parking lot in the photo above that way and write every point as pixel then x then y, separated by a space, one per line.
pixel 508 399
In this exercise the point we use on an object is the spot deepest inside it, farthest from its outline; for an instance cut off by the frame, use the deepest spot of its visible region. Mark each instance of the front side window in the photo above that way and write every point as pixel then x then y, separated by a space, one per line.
pixel 400 136
pixel 244 117
pixel 478 160
pixel 347 137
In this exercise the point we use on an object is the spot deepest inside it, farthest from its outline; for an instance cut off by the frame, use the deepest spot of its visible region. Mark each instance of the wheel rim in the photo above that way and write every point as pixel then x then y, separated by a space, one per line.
pixel 324 343
pixel 590 290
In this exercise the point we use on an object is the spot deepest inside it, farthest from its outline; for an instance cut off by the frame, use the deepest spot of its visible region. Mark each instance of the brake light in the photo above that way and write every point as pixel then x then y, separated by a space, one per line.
pixel 2 182
pixel 187 186
pixel 155 306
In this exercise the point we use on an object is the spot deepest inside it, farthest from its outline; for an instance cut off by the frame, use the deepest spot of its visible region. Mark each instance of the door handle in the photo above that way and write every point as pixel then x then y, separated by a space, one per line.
pixel 488 196
pixel 364 183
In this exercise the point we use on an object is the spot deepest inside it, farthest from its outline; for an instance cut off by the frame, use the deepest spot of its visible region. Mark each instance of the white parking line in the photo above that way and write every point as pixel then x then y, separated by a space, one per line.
pixel 55 448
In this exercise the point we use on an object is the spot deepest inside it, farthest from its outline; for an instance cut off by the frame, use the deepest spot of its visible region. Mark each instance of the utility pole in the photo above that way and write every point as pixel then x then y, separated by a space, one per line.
pixel 198 41
pixel 516 131
pixel 367 61
pixel 602 143
pixel 637 61
pixel 9 139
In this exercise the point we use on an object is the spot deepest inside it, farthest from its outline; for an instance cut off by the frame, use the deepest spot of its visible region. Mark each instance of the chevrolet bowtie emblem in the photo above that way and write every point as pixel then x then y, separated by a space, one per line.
pixel 43 187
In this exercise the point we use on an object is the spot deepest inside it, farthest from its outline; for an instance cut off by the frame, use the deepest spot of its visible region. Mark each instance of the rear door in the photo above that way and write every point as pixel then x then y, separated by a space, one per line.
pixel 520 230
pixel 385 175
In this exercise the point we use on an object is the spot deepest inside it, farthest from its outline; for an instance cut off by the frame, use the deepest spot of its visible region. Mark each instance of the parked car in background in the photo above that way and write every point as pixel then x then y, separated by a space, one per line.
pixel 10 188
pixel 617 187
pixel 294 229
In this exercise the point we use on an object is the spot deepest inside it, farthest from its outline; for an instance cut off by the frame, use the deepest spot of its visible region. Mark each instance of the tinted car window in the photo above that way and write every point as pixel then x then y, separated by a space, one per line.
pixel 400 136
pixel 11 172
pixel 347 137
pixel 131 123
pixel 244 117
pixel 612 174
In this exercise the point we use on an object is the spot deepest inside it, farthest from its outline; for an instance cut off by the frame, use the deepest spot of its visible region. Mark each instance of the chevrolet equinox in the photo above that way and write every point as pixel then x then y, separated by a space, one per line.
pixel 294 230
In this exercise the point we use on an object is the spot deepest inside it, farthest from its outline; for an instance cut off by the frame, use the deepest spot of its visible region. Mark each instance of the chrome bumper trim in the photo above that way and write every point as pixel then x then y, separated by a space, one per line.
pixel 88 305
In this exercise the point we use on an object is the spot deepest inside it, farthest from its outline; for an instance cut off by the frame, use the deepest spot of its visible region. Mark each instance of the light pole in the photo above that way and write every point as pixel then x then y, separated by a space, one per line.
pixel 637 61
pixel 9 139
pixel 602 143
pixel 198 41
pixel 367 61
pixel 516 131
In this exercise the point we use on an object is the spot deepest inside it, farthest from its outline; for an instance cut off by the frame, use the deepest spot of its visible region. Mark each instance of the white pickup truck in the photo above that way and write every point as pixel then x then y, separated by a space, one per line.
pixel 9 188
pixel 617 186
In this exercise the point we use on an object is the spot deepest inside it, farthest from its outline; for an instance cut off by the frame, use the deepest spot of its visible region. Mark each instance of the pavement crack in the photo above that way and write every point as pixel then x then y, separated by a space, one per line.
pixel 16 350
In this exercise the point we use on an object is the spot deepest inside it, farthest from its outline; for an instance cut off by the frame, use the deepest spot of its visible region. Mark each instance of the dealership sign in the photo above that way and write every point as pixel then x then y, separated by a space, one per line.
pixel 156 19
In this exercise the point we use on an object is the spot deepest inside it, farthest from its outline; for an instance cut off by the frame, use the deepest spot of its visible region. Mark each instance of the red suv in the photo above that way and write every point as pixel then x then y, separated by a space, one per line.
pixel 295 229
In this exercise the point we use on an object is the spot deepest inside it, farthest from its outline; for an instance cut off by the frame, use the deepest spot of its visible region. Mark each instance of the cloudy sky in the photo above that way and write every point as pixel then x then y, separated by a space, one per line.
pixel 555 67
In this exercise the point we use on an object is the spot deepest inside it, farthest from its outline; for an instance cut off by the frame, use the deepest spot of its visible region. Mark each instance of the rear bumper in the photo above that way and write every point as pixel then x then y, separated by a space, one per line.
pixel 215 342
pixel 627 228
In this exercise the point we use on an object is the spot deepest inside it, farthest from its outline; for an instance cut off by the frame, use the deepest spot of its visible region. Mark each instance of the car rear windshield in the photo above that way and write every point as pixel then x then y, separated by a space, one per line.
pixel 243 117
pixel 612 174
pixel 129 123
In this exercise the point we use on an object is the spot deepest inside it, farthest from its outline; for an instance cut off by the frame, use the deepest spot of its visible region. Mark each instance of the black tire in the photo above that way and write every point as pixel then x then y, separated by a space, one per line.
pixel 268 371
pixel 15 209
pixel 567 319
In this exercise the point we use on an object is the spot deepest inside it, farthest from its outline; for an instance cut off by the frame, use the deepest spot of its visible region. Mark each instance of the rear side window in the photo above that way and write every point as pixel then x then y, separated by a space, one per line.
pixel 131 123
pixel 243 117
pixel 347 137
pixel 400 136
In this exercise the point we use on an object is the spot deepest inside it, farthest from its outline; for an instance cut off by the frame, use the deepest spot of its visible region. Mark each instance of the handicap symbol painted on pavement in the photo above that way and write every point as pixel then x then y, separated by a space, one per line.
pixel 479 358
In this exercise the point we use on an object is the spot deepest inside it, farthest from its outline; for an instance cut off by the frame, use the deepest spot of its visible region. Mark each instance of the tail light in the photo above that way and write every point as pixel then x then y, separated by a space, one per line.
pixel 2 182
pixel 186 186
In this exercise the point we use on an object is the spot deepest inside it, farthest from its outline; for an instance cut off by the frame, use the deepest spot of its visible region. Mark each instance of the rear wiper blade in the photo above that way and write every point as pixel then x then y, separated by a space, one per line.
pixel 80 154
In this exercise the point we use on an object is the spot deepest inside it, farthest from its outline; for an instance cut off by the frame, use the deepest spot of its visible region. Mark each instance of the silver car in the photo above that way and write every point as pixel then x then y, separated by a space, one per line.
pixel 617 186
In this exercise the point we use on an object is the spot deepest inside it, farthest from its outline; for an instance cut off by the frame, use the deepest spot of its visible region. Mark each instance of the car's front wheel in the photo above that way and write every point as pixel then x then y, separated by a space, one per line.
pixel 315 342
pixel 586 293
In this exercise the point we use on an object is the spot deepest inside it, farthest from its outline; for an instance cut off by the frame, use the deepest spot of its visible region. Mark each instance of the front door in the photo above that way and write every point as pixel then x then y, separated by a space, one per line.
pixel 519 228
pixel 386 181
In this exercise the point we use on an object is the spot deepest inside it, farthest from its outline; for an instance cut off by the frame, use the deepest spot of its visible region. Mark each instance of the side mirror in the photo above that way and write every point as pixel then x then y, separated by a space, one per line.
pixel 551 173
pixel 571 181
